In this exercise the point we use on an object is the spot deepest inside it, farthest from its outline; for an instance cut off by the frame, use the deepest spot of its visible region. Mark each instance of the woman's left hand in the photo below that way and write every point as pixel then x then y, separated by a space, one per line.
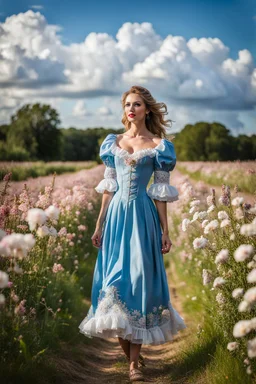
pixel 166 243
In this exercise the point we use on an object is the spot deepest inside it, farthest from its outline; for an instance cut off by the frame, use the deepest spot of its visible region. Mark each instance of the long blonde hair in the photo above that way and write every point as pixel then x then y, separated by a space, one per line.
pixel 155 123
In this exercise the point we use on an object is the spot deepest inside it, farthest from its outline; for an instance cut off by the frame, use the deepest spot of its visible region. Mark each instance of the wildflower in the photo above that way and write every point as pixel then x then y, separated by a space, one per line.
pixel 251 277
pixel 57 268
pixel 248 229
pixel 244 306
pixel 222 215
pixel 194 203
pixel 185 224
pixel 35 216
pixel 42 231
pixel 53 232
pixel 251 348
pixel 232 345
pixel 237 201
pixel 243 252
pixel 4 279
pixel 207 276
pixel 225 223
pixel 249 370
pixel 232 236
pixel 204 223
pixel 250 295
pixel 242 328
pixel 202 215
pixel 237 292
pixel 211 226
pixel 20 309
pixel 222 256
pixel 211 208
pixel 200 242
pixel 220 298
pixel 209 200
pixel 219 282
pixel 194 298
pixel 239 214
pixel 52 212
pixel 62 231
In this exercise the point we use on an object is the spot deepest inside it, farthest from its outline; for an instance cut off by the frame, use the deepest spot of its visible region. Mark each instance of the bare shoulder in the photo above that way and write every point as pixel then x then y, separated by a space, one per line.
pixel 157 140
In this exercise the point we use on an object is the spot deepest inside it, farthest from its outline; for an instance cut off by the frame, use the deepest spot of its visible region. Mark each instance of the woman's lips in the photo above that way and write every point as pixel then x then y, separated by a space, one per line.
pixel 131 115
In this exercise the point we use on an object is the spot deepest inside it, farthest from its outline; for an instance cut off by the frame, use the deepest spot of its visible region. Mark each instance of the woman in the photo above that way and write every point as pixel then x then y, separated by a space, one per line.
pixel 130 295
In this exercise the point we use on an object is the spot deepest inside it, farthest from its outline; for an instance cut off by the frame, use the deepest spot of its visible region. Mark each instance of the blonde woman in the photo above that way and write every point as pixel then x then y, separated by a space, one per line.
pixel 130 295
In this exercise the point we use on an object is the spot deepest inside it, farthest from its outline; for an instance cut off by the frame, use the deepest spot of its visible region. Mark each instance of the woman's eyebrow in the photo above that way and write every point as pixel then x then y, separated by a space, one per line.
pixel 134 102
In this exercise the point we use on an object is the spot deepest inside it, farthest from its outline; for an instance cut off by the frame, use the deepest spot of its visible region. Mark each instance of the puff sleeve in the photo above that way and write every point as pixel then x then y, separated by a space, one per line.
pixel 109 183
pixel 164 163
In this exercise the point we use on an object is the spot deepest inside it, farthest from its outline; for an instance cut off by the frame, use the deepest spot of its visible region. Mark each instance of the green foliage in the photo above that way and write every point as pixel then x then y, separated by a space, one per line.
pixel 211 142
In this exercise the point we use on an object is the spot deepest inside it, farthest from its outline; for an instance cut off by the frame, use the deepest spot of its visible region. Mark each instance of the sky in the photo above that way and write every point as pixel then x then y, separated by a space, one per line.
pixel 198 57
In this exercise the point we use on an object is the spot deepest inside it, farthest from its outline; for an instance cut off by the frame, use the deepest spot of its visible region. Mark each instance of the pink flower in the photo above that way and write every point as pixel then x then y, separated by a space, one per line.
pixel 57 268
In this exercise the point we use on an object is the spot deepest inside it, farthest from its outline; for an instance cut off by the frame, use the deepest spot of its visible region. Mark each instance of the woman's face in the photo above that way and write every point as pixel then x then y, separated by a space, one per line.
pixel 135 108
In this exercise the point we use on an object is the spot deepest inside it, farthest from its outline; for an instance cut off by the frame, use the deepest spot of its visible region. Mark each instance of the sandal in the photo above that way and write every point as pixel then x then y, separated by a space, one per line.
pixel 136 375
pixel 141 362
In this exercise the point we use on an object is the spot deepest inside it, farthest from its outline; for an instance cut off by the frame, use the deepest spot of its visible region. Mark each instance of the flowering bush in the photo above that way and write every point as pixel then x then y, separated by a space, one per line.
pixel 220 236
pixel 44 267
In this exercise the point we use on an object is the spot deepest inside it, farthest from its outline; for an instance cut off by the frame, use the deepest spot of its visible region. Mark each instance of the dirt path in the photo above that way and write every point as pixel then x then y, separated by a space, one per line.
pixel 103 362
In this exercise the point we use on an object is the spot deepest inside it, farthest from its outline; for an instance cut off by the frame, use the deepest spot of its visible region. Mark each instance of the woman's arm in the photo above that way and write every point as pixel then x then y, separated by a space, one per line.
pixel 162 212
pixel 96 237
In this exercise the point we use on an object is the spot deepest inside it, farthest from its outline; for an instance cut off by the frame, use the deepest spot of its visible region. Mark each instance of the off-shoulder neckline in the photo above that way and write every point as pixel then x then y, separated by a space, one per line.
pixel 139 150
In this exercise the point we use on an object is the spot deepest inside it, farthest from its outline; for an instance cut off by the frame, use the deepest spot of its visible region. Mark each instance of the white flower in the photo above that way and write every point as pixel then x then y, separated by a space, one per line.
pixel 200 242
pixel 193 203
pixel 251 348
pixel 192 209
pixel 53 232
pixel 35 216
pixel 202 215
pixel 249 370
pixel 222 215
pixel 251 264
pixel 194 298
pixel 207 276
pixel 244 306
pixel 211 208
pixel 251 277
pixel 204 223
pixel 42 231
pixel 209 200
pixel 243 252
pixel 232 236
pixel 185 224
pixel 250 295
pixel 4 279
pixel 232 345
pixel 238 292
pixel 237 201
pixel 2 234
pixel 248 229
pixel 211 226
pixel 225 223
pixel 195 216
pixel 52 212
pixel 220 298
pixel 239 214
pixel 18 244
pixel 222 256
pixel 218 282
pixel 242 328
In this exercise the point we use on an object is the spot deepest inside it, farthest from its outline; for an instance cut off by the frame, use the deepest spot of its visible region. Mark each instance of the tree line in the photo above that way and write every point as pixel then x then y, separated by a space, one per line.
pixel 34 133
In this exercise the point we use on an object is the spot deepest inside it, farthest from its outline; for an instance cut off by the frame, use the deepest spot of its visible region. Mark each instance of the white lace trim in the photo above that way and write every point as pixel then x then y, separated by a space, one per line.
pixel 163 192
pixel 123 153
pixel 112 318
pixel 110 173
pixel 161 176
pixel 106 185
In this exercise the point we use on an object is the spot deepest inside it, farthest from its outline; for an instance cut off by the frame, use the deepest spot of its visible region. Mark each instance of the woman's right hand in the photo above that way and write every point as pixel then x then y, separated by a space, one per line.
pixel 96 237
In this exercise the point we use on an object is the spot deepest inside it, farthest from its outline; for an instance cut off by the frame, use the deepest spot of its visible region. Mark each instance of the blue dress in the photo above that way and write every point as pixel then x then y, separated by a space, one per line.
pixel 130 295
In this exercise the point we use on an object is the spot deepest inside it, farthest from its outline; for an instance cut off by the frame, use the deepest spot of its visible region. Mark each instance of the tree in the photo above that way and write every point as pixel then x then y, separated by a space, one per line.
pixel 35 128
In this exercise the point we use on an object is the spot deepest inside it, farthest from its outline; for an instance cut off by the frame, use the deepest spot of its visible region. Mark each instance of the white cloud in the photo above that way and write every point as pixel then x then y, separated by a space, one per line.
pixel 193 75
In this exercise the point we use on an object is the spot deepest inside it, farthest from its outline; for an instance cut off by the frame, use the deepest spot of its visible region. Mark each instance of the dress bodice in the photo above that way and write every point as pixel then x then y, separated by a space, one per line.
pixel 128 174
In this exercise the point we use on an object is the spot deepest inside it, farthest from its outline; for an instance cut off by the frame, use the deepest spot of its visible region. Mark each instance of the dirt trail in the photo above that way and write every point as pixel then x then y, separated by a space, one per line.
pixel 103 361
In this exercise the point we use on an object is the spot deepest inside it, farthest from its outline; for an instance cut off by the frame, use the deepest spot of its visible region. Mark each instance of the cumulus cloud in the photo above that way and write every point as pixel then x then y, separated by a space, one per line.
pixel 198 73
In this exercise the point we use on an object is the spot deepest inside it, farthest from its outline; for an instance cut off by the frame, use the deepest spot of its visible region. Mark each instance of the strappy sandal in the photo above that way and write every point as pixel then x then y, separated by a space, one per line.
pixel 141 361
pixel 136 375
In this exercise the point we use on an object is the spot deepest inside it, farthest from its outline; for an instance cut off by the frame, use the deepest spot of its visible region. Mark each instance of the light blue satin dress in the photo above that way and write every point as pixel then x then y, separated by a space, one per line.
pixel 130 295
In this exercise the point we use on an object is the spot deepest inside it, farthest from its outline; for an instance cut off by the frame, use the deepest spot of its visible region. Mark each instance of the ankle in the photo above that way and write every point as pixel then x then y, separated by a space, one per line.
pixel 133 364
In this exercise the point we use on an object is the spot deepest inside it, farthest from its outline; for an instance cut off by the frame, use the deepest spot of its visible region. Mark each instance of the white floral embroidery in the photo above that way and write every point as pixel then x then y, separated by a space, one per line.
pixel 109 301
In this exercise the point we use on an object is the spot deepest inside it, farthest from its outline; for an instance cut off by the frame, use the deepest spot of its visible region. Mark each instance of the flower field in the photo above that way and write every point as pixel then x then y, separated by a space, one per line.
pixel 215 254
pixel 242 174
pixel 46 264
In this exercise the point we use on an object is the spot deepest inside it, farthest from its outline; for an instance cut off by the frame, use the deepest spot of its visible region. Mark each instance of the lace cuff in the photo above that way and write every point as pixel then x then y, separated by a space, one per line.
pixel 160 189
pixel 109 182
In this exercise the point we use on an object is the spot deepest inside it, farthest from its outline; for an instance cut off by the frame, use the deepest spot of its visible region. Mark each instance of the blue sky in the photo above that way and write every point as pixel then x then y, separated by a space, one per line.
pixel 232 22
